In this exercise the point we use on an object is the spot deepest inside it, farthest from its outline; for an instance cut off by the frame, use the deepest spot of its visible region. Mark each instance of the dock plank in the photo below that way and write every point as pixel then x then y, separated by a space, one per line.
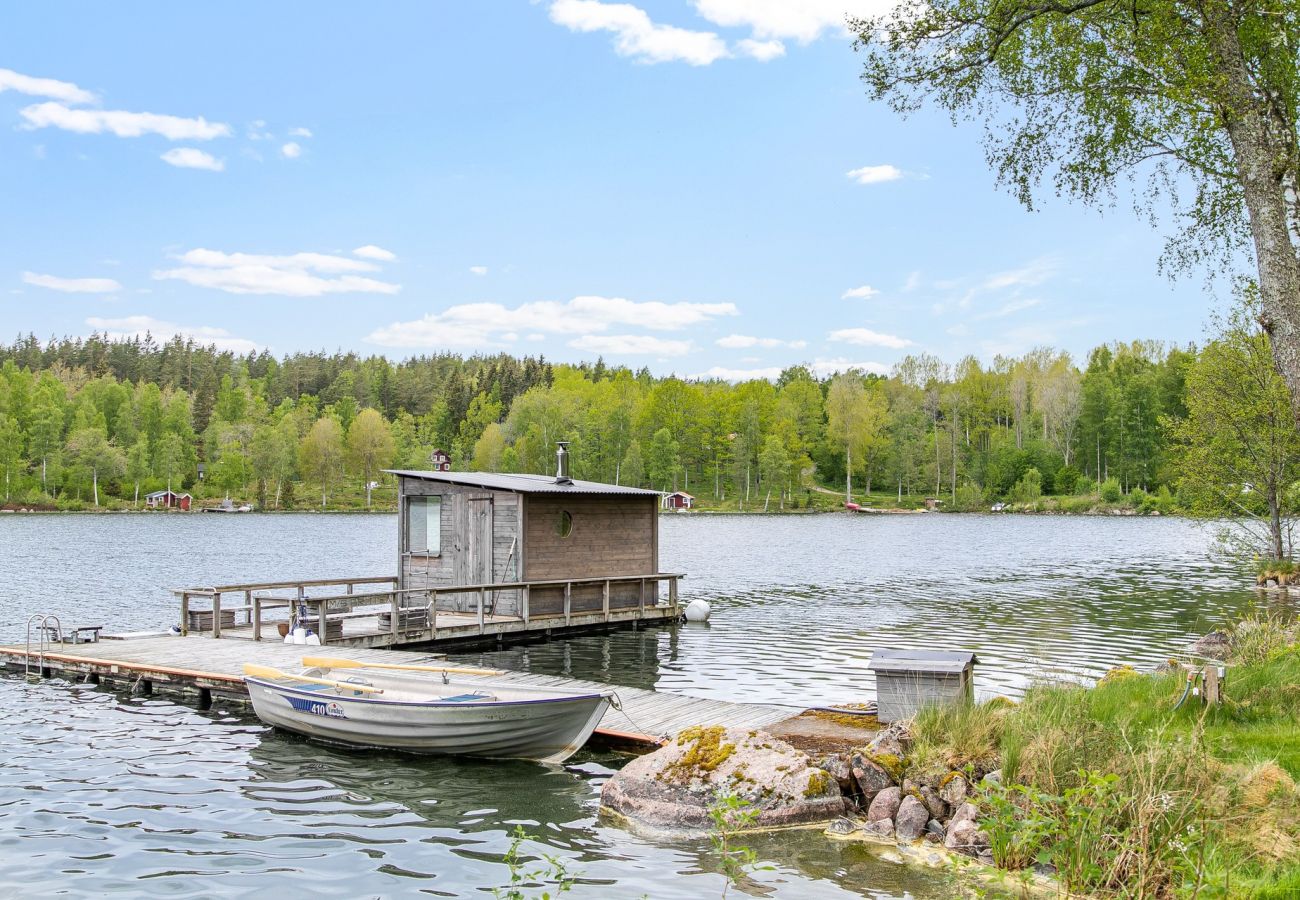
pixel 650 716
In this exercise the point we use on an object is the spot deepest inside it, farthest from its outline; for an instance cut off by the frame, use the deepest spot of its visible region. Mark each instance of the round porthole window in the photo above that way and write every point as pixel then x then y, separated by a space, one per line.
pixel 564 527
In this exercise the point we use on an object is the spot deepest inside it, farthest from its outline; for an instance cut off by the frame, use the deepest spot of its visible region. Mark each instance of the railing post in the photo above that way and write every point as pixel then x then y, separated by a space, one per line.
pixel 394 610
pixel 523 600
pixel 640 599
pixel 256 600
pixel 185 613
pixel 672 592
pixel 433 613
pixel 482 595
pixel 216 614
pixel 248 600
pixel 604 600
pixel 321 620
pixel 568 601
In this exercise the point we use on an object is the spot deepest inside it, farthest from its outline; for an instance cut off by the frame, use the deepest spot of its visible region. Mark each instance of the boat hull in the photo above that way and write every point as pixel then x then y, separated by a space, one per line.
pixel 545 729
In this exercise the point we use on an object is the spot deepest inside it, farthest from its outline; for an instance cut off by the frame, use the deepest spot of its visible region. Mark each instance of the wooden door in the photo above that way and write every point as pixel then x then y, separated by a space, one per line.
pixel 478 555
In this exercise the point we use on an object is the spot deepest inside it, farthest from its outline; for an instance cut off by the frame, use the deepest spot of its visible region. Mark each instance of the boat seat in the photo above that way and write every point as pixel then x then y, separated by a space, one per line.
pixel 467 698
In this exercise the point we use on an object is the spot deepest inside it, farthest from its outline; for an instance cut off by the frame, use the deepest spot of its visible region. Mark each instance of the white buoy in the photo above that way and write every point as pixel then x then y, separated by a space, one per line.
pixel 312 639
pixel 288 638
pixel 698 610
pixel 300 635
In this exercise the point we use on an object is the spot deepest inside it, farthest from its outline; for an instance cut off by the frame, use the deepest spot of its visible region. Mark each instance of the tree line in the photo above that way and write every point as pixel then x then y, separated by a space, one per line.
pixel 82 419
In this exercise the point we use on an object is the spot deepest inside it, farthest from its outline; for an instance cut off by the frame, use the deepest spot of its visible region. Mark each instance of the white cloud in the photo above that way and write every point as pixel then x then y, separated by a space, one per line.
pixel 631 344
pixel 479 270
pixel 300 132
pixel 296 275
pixel 121 122
pixel 130 327
pixel 875 174
pixel 1031 274
pixel 291 150
pixel 865 337
pixel 763 51
pixel 768 373
pixel 636 36
pixel 72 285
pixel 799 20
pixel 43 87
pixel 370 251
pixel 743 341
pixel 824 368
pixel 191 158
pixel 1010 307
pixel 866 292
pixel 484 324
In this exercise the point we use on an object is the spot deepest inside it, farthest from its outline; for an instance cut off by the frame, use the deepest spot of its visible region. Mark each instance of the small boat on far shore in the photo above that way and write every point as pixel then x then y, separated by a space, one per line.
pixel 425 713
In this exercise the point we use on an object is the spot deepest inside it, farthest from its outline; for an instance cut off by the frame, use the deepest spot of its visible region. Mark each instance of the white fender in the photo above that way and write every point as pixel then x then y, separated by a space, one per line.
pixel 698 610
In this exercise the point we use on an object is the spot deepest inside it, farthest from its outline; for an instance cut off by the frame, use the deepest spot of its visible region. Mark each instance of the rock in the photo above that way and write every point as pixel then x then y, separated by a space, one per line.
pixel 842 826
pixel 962 828
pixel 932 838
pixel 670 790
pixel 985 857
pixel 935 827
pixel 871 776
pixel 954 790
pixel 883 828
pixel 1215 645
pixel 885 805
pixel 895 740
pixel 933 804
pixel 992 779
pixel 837 765
pixel 981 841
pixel 910 822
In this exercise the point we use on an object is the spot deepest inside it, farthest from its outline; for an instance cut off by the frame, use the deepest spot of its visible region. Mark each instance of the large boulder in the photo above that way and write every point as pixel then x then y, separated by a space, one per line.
pixel 671 790
pixel 885 806
pixel 872 775
pixel 962 828
pixel 911 820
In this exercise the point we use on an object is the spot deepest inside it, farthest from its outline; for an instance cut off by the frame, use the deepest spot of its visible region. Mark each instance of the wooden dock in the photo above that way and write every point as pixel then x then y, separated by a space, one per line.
pixel 204 670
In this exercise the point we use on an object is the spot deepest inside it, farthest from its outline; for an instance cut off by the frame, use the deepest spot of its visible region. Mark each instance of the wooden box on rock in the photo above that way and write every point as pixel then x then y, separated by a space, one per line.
pixel 478 528
pixel 907 680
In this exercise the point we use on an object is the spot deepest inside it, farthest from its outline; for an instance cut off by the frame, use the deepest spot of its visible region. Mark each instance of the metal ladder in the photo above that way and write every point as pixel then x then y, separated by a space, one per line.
pixel 43 629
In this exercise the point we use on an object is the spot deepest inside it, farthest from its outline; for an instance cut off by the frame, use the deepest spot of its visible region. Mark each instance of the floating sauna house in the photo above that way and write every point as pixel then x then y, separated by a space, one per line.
pixel 475 528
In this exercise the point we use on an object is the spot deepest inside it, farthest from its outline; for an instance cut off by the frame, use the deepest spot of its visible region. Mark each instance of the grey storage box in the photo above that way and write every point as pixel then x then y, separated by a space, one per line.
pixel 907 680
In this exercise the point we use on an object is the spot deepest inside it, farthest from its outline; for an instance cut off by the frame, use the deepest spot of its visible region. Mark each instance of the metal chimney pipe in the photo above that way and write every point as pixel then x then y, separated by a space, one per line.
pixel 562 463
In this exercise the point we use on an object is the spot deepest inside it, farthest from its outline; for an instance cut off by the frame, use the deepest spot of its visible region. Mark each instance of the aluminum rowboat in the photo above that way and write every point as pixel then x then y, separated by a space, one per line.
pixel 429 715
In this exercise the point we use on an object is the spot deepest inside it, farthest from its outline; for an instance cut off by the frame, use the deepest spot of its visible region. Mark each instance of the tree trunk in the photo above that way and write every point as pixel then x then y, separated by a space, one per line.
pixel 94 478
pixel 848 474
pixel 1261 154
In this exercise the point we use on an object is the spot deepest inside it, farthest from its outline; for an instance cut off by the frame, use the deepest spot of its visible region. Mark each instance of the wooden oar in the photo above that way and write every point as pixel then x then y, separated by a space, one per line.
pixel 267 672
pixel 329 662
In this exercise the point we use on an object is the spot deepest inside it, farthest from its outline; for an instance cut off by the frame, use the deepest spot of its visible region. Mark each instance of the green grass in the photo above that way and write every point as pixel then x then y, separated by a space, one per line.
pixel 1200 797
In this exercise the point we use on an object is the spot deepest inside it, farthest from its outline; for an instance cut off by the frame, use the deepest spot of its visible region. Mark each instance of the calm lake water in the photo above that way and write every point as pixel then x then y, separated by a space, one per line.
pixel 104 793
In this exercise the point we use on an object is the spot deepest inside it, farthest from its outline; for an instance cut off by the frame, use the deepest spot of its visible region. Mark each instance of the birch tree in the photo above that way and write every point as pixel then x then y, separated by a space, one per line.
pixel 1090 94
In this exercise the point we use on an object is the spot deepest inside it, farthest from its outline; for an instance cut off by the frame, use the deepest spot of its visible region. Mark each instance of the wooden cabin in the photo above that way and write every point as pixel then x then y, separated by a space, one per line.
pixel 476 528
pixel 167 500
pixel 678 500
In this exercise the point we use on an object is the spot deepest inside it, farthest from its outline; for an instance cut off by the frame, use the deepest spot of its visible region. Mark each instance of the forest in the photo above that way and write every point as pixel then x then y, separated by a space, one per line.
pixel 94 422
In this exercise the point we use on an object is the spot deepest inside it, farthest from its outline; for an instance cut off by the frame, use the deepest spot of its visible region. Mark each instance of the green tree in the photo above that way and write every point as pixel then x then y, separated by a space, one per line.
pixel 137 464
pixel 632 468
pixel 1237 451
pixel 11 449
pixel 774 468
pixel 46 435
pixel 1089 92
pixel 847 418
pixel 171 458
pixel 662 462
pixel 89 451
pixel 320 455
pixel 274 452
pixel 370 446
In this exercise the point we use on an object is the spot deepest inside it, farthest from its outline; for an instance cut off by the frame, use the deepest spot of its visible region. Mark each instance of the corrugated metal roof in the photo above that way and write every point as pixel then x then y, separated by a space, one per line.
pixel 939 661
pixel 523 484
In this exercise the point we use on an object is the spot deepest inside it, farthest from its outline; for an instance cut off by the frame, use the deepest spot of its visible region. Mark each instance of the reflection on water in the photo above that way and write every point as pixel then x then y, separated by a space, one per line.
pixel 100 793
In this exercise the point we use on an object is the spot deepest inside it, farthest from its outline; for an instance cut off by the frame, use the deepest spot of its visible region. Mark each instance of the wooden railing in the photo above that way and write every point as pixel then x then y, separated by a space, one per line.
pixel 397 602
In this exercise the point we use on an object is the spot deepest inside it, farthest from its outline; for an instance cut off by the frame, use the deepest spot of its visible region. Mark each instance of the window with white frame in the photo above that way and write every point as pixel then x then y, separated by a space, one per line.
pixel 424 525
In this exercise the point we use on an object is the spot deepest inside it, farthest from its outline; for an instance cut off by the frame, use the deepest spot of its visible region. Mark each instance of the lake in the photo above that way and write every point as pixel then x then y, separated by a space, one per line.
pixel 106 793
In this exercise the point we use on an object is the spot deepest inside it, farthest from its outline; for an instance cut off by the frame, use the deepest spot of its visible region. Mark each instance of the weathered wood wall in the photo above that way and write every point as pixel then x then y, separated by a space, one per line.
pixel 612 535
pixel 462 514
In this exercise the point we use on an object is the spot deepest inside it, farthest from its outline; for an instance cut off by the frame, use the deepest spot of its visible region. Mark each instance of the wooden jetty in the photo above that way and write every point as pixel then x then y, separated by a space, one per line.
pixel 206 671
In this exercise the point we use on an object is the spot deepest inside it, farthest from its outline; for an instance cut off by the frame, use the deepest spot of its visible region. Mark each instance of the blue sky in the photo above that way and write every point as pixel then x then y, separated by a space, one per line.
pixel 700 186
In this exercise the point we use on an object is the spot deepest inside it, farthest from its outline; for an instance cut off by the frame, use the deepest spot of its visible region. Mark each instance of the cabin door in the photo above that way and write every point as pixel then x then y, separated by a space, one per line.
pixel 478 556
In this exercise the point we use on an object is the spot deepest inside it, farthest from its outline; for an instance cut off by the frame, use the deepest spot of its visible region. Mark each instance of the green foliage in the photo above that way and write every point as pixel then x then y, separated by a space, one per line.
pixel 1084 485
pixel 730 815
pixel 554 872
pixel 1029 488
pixel 1111 491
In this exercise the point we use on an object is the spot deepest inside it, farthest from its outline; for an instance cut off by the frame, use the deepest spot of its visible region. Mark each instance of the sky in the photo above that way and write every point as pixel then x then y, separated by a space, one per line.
pixel 702 187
